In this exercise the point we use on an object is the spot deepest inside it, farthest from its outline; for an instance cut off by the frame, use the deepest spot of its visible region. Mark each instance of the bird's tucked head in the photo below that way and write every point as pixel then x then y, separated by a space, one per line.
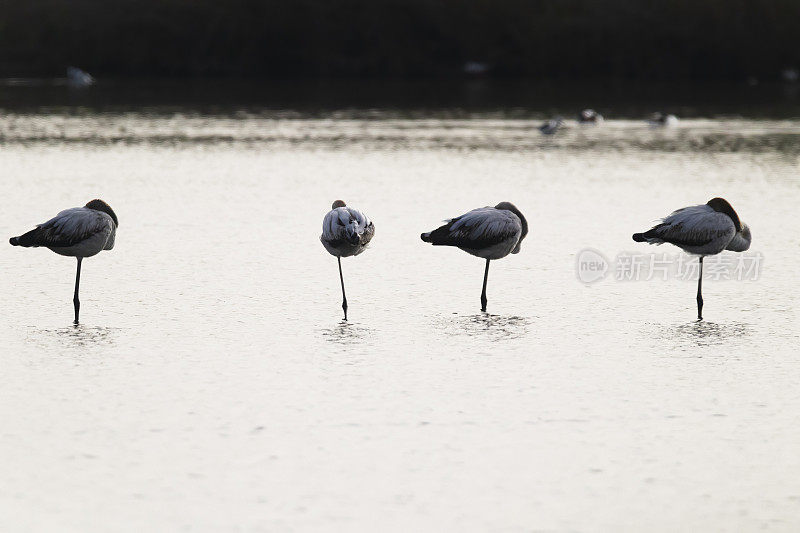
pixel 741 241
pixel 746 233
pixel 338 203
pixel 721 205
pixel 100 205
pixel 508 206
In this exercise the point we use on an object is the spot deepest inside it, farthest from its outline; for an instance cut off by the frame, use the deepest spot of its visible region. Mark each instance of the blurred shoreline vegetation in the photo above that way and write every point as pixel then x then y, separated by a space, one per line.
pixel 293 39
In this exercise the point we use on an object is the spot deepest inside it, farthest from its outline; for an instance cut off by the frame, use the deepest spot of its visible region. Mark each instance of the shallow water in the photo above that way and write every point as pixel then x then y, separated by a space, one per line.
pixel 213 386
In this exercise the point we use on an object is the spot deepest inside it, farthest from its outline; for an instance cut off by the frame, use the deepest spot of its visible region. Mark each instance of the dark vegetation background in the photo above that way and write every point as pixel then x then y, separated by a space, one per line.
pixel 556 39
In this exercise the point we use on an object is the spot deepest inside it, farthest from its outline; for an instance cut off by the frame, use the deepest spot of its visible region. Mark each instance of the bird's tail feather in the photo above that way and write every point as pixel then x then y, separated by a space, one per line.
pixel 27 239
pixel 439 237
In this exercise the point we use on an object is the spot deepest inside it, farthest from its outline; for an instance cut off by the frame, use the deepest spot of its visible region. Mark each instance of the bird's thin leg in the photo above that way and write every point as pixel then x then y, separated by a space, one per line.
pixel 75 299
pixel 344 297
pixel 483 294
pixel 700 292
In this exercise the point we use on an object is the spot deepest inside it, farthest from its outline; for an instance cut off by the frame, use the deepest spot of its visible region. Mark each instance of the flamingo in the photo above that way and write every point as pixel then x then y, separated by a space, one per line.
pixel 78 232
pixel 487 232
pixel 345 232
pixel 701 230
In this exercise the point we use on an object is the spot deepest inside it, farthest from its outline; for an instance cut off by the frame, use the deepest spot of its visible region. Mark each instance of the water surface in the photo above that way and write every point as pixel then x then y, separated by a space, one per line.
pixel 213 385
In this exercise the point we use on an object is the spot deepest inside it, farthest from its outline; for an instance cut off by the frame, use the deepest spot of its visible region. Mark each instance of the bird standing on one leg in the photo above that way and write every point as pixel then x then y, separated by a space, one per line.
pixel 487 232
pixel 78 232
pixel 345 232
pixel 701 230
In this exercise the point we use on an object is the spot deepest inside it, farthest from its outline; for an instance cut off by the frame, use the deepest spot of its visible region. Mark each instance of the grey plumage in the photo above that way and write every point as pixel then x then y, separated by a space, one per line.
pixel 345 232
pixel 703 230
pixel 78 232
pixel 65 232
pixel 487 232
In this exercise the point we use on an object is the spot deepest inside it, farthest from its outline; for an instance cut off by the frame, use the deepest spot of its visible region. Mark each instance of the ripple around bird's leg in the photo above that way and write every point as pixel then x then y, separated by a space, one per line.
pixel 346 333
pixel 700 333
pixel 75 336
pixel 485 325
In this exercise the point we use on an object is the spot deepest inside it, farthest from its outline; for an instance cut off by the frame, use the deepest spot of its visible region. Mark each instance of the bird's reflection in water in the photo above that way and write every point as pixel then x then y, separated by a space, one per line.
pixel 485 325
pixel 77 336
pixel 702 333
pixel 346 333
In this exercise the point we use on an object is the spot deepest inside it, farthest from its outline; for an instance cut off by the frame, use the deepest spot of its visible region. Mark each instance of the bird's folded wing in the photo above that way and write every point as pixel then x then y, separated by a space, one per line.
pixel 692 226
pixel 478 228
pixel 69 228
pixel 336 223
pixel 362 219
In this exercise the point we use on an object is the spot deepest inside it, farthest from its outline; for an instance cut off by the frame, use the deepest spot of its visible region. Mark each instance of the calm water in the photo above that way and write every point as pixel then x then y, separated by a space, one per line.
pixel 213 386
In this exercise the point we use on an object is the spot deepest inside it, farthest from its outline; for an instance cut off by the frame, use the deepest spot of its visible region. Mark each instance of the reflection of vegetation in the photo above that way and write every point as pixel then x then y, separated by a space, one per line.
pixel 663 39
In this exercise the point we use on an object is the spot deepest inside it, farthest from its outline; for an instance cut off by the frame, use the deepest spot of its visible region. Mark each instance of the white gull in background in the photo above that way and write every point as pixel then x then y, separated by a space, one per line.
pixel 590 116
pixel 660 119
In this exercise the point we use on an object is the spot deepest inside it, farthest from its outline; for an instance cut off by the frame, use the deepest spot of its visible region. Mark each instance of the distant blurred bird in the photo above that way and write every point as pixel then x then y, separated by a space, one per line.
pixel 475 68
pixel 701 230
pixel 551 126
pixel 78 78
pixel 487 232
pixel 590 116
pixel 78 232
pixel 345 232
pixel 790 74
pixel 659 119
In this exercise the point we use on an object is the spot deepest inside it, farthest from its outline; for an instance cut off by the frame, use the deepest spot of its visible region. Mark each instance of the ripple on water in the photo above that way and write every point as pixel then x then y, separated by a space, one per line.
pixel 76 336
pixel 484 325
pixel 701 333
pixel 346 333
